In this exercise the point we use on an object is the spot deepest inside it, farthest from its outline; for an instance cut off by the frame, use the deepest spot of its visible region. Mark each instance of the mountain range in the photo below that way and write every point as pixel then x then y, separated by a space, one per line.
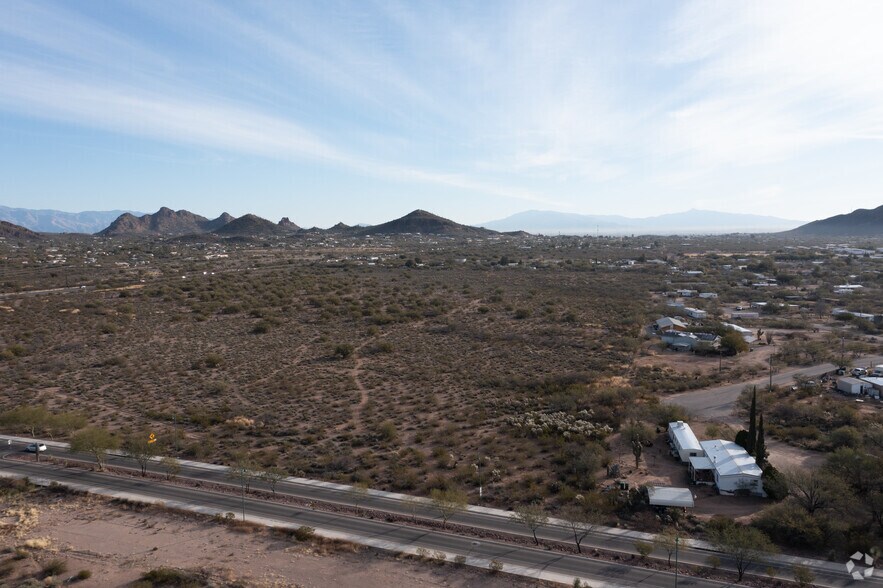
pixel 57 221
pixel 691 221
pixel 170 223
pixel 858 223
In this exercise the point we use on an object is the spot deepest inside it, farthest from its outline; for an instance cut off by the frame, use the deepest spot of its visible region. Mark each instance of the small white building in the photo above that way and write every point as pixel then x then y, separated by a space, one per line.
pixel 734 470
pixel 744 314
pixel 683 441
pixel 668 323
pixel 669 496
pixel 747 334
pixel 695 313
pixel 852 386
pixel 876 386
pixel 708 295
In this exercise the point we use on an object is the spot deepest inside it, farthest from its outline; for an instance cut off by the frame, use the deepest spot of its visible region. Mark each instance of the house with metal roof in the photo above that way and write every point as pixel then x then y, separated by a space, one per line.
pixel 733 469
pixel 683 441
pixel 668 323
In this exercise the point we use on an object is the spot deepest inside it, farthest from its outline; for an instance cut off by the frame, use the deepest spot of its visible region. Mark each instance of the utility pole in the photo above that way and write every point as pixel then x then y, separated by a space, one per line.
pixel 771 372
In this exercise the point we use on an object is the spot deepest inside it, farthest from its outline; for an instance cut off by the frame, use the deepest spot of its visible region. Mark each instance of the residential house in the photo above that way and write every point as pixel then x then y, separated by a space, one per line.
pixel 733 469
pixel 683 441
pixel 668 323
pixel 695 313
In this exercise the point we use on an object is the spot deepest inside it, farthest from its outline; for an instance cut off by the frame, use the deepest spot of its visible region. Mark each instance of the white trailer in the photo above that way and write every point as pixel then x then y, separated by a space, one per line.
pixel 852 386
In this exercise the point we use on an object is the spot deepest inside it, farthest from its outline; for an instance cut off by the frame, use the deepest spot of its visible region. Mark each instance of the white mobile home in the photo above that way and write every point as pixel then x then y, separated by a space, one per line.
pixel 695 312
pixel 734 470
pixel 683 441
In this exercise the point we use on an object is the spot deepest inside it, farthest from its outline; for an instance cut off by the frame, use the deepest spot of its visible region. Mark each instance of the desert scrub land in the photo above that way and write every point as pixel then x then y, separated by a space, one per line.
pixel 395 364
pixel 49 537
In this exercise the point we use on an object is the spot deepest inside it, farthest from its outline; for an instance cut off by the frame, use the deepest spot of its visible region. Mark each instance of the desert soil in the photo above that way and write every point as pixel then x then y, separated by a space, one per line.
pixel 118 544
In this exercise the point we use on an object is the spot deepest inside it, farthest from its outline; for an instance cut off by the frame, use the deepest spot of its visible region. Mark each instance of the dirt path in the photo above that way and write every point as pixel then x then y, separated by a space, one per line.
pixel 356 373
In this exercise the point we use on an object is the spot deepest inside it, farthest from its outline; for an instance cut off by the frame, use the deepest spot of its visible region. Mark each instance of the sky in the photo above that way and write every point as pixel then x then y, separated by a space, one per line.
pixel 362 111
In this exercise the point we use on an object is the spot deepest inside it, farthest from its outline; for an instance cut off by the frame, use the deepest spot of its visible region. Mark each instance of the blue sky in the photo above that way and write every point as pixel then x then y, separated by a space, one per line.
pixel 364 111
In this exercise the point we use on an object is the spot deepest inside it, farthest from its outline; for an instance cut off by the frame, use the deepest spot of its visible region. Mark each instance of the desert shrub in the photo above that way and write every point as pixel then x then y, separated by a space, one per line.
pixel 83 575
pixel 343 350
pixel 788 523
pixel 54 567
pixel 774 483
pixel 304 533
pixel 387 431
pixel 845 436
pixel 496 566
pixel 163 577
pixel 212 360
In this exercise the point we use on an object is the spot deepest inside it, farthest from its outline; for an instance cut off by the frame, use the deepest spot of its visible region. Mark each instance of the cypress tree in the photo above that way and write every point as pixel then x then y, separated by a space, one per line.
pixel 760 446
pixel 752 423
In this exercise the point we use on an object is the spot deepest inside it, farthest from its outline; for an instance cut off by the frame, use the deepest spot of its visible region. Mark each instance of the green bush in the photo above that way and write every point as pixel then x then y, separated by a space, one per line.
pixel 83 575
pixel 304 533
pixel 54 567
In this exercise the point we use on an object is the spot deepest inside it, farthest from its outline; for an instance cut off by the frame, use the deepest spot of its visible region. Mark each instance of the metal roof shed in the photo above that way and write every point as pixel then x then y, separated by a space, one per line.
pixel 668 496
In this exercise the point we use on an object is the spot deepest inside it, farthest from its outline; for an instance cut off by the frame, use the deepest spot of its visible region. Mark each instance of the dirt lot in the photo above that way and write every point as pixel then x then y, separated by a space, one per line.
pixel 117 544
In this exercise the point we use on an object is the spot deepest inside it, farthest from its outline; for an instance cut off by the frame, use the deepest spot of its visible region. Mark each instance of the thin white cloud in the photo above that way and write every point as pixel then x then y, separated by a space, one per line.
pixel 193 121
pixel 771 80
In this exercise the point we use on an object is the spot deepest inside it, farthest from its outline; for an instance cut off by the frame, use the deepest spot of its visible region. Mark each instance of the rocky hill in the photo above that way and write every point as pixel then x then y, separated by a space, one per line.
pixel 425 223
pixel 251 225
pixel 858 223
pixel 165 222
pixel 11 231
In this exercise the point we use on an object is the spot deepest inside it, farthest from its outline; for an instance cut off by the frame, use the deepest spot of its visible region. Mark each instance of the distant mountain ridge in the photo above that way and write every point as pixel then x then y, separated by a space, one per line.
pixel 165 221
pixel 861 222
pixel 57 221
pixel 691 221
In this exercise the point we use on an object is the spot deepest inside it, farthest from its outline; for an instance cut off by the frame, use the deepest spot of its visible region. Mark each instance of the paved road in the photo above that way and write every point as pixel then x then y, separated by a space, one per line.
pixel 381 533
pixel 717 404
pixel 491 519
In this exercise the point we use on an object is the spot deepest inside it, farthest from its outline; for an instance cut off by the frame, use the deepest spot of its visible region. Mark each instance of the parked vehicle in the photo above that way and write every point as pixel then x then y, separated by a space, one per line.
pixel 858 372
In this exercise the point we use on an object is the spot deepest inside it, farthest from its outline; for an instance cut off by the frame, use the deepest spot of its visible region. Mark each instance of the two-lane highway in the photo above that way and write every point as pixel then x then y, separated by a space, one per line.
pixel 532 562
pixel 616 540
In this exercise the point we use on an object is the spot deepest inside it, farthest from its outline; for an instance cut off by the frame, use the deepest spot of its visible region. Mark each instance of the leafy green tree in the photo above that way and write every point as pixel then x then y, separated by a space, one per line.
pixel 803 576
pixel 533 516
pixel 582 519
pixel 745 545
pixel 140 447
pixel 65 423
pixel 448 503
pixel 171 466
pixel 97 441
pixel 272 476
pixel 26 417
pixel 732 343
pixel 667 541
pixel 644 548
pixel 816 490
